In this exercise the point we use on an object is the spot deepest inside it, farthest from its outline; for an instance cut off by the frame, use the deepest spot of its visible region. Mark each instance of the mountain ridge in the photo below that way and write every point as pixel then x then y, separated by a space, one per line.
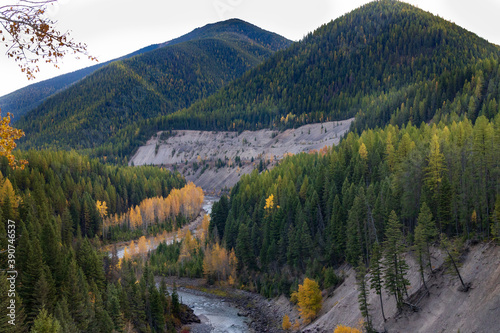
pixel 156 82
pixel 386 45
pixel 385 62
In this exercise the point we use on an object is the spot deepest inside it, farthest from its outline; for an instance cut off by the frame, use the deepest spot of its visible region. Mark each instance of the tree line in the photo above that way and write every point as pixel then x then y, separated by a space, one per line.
pixel 315 211
pixel 64 281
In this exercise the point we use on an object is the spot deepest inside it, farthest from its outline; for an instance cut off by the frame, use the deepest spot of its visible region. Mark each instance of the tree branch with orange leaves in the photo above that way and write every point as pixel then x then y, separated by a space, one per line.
pixel 30 36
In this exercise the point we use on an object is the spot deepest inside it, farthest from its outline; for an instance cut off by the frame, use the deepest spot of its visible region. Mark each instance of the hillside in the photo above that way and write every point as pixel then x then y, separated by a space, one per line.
pixel 384 62
pixel 25 99
pixel 216 160
pixel 154 83
pixel 445 310
pixel 312 213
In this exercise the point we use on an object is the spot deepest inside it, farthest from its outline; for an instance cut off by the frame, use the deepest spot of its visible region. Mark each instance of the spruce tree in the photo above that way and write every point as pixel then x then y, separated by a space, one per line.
pixel 395 267
pixel 376 270
pixel 363 291
pixel 425 232
pixel 45 323
pixel 113 306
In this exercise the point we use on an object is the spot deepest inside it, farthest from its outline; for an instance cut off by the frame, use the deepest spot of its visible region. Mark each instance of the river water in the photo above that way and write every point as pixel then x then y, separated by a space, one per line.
pixel 208 202
pixel 215 314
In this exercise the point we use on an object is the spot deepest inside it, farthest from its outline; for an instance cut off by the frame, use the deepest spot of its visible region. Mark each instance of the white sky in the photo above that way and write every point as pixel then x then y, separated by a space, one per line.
pixel 112 28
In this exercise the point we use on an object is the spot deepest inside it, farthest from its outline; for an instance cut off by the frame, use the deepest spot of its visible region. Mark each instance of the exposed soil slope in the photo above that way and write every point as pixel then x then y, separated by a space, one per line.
pixel 446 309
pixel 215 160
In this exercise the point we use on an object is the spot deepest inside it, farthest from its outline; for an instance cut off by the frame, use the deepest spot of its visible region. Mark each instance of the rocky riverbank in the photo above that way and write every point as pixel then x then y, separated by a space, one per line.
pixel 260 314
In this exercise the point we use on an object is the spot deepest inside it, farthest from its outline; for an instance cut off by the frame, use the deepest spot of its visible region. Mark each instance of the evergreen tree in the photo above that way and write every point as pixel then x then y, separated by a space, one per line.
pixel 395 267
pixel 363 291
pixel 62 314
pixel 425 233
pixel 113 307
pixel 376 270
pixel 434 172
pixel 175 302
pixel 244 250
pixel 45 323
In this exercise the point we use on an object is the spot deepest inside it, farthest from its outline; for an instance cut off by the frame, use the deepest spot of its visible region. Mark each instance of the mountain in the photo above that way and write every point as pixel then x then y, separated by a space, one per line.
pixel 155 83
pixel 25 99
pixel 381 57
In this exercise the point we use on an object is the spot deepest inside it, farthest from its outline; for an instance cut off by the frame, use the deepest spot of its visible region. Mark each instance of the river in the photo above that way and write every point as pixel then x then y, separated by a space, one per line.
pixel 208 202
pixel 216 315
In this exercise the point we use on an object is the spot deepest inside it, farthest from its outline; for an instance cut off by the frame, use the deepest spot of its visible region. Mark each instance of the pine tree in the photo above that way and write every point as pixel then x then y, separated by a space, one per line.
pixel 45 323
pixel 395 267
pixel 113 307
pixel 66 227
pixel 157 310
pixel 4 303
pixel 62 314
pixel 425 232
pixel 176 306
pixel 376 270
pixel 435 170
pixel 363 292
pixel 244 250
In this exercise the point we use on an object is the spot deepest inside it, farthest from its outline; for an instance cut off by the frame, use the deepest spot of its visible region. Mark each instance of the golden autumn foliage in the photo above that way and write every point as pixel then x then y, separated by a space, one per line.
pixel 345 329
pixel 363 152
pixel 8 135
pixel 203 228
pixel 187 201
pixel 219 263
pixel 309 299
pixel 269 202
pixel 286 324
pixel 126 254
pixel 142 245
pixel 102 208
pixel 189 245
pixel 7 193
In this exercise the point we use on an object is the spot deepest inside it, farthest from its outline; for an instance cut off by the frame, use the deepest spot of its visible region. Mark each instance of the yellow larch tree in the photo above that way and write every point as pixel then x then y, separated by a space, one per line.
pixel 8 135
pixel 269 202
pixel 132 249
pixel 203 228
pixel 142 246
pixel 189 245
pixel 309 299
pixel 363 152
pixel 286 324
pixel 345 329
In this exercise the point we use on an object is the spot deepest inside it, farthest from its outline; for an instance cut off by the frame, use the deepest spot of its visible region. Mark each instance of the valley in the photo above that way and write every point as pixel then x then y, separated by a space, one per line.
pixel 352 182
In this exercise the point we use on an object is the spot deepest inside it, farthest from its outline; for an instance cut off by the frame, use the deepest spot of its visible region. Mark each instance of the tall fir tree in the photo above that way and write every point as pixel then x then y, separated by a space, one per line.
pixel 395 267
pixel 363 292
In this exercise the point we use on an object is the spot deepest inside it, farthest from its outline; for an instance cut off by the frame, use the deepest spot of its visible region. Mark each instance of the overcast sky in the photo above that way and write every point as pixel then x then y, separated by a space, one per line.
pixel 112 28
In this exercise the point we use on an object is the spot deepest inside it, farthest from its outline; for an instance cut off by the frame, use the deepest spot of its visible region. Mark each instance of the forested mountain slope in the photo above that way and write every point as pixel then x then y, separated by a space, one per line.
pixel 366 63
pixel 386 62
pixel 154 83
pixel 50 210
pixel 25 99
pixel 316 211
